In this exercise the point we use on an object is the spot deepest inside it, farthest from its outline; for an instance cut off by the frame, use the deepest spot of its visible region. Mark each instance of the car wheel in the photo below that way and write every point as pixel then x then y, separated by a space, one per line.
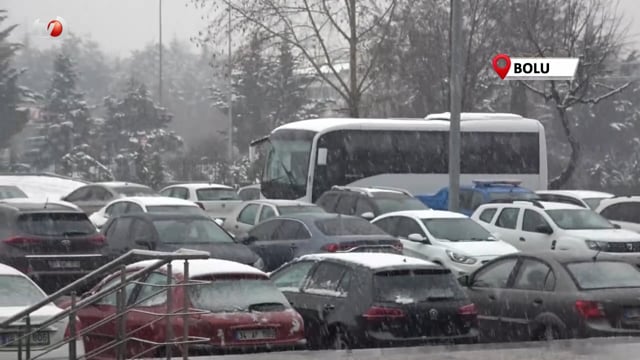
pixel 339 340
pixel 549 332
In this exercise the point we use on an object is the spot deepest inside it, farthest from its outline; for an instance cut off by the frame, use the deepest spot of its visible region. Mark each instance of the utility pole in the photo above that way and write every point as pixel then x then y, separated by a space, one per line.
pixel 455 103
pixel 230 113
pixel 160 52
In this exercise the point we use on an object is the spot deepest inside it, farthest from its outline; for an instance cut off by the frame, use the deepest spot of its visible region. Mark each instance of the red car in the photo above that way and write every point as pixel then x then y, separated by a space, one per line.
pixel 244 311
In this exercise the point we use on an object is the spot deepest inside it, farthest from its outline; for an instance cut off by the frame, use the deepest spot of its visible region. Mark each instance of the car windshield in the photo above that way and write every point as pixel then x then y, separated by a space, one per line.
pixel 391 202
pixel 515 195
pixel 134 191
pixel 347 226
pixel 243 294
pixel 295 209
pixel 55 224
pixel 462 229
pixel 215 194
pixel 604 275
pixel 593 202
pixel 17 290
pixel 11 192
pixel 190 231
pixel 182 209
pixel 412 286
pixel 578 219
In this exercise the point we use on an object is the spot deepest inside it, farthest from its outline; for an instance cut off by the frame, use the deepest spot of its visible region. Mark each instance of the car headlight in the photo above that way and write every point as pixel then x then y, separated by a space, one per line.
pixel 597 245
pixel 259 264
pixel 462 259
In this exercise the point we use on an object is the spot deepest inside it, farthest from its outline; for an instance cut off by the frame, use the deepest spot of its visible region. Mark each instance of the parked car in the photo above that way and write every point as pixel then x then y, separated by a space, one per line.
pixel 172 231
pixel 555 296
pixel 539 226
pixel 17 292
pixel 52 243
pixel 623 211
pixel 354 300
pixel 145 204
pixel 585 198
pixel 283 238
pixel 481 192
pixel 253 212
pixel 367 202
pixel 235 306
pixel 11 192
pixel 249 192
pixel 90 198
pixel 444 237
pixel 217 200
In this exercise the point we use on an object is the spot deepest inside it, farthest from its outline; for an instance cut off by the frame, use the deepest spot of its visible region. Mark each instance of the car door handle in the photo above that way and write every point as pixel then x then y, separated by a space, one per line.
pixel 492 297
pixel 522 239
pixel 537 302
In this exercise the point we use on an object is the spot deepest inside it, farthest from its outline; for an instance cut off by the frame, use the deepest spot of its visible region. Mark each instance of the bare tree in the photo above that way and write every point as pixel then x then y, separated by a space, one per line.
pixel 326 33
pixel 586 29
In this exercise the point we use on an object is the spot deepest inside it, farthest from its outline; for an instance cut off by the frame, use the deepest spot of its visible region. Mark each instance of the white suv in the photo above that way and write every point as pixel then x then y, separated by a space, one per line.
pixel 539 226
pixel 623 210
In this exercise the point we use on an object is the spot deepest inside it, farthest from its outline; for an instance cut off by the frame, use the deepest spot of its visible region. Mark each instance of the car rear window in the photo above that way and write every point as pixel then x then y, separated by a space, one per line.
pixel 214 194
pixel 238 294
pixel 135 191
pixel 11 192
pixel 417 285
pixel 18 291
pixel 390 202
pixel 174 208
pixel 295 209
pixel 347 226
pixel 55 224
pixel 604 275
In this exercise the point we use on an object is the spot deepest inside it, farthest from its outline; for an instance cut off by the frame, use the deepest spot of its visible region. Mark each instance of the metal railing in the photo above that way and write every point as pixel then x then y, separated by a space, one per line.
pixel 128 276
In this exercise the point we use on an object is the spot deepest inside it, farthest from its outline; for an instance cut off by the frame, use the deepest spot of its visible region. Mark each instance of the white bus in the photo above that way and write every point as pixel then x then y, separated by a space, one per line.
pixel 305 158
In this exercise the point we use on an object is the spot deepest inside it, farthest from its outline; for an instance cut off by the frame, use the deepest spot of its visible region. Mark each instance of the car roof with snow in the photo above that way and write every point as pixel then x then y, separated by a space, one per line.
pixel 373 261
pixel 155 201
pixel 281 202
pixel 581 194
pixel 425 214
pixel 114 184
pixel 39 203
pixel 197 186
pixel 203 267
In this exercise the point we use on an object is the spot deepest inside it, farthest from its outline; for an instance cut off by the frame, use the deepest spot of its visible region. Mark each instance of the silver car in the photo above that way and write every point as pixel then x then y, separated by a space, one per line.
pixel 253 212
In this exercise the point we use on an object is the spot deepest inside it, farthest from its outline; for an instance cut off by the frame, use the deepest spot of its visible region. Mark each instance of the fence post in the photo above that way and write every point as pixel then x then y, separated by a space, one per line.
pixel 169 326
pixel 185 315
pixel 122 319
pixel 72 328
pixel 28 346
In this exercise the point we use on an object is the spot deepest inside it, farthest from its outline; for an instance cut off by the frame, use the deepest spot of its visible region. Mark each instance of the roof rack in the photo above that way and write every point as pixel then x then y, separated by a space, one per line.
pixel 535 203
pixel 487 183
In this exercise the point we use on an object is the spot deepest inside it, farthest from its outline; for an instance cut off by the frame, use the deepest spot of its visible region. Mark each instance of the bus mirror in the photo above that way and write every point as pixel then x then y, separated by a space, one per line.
pixel 322 156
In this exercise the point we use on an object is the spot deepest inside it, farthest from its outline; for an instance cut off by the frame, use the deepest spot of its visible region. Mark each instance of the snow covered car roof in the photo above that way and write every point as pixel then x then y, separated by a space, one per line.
pixel 155 201
pixel 42 186
pixel 581 194
pixel 30 202
pixel 371 260
pixel 424 214
pixel 204 267
pixel 196 186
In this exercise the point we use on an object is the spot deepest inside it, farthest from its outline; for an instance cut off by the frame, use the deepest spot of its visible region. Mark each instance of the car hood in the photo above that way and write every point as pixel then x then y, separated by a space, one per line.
pixel 604 234
pixel 37 317
pixel 225 251
pixel 480 248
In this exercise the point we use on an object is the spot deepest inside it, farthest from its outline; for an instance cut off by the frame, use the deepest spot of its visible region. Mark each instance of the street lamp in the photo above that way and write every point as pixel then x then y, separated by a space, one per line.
pixel 455 103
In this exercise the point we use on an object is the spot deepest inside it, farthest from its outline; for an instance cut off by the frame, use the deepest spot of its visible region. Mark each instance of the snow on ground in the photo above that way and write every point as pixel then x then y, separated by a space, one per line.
pixel 41 186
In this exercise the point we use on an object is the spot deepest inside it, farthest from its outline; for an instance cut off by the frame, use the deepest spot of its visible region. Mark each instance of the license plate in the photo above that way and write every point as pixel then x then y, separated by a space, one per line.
pixel 38 339
pixel 257 334
pixel 632 314
pixel 63 264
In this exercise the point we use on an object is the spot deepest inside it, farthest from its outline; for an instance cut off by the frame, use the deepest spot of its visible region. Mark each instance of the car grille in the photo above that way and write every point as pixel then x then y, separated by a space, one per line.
pixel 621 247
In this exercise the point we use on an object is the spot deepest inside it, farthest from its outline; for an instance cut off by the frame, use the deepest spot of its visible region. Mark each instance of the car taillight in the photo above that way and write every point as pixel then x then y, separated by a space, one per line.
pixel 20 240
pixel 468 310
pixel 331 247
pixel 98 240
pixel 589 309
pixel 200 205
pixel 378 312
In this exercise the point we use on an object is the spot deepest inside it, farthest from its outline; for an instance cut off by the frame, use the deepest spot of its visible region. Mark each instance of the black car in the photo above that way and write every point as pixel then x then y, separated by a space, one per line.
pixel 172 231
pixel 555 295
pixel 356 300
pixel 367 202
pixel 280 239
pixel 53 243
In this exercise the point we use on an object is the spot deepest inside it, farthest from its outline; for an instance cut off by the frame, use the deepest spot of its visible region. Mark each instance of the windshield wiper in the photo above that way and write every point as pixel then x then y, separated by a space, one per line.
pixel 290 177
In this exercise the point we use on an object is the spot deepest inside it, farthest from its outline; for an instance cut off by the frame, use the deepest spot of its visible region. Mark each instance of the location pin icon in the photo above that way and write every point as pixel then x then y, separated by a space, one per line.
pixel 504 70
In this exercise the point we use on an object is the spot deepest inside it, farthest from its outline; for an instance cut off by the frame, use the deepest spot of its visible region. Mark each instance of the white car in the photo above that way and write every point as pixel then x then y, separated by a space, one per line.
pixel 256 211
pixel 17 292
pixel 535 226
pixel 444 237
pixel 585 198
pixel 623 210
pixel 216 199
pixel 135 204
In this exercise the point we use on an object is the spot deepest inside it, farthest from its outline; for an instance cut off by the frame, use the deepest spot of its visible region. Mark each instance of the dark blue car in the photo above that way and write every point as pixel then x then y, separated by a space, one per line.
pixel 481 192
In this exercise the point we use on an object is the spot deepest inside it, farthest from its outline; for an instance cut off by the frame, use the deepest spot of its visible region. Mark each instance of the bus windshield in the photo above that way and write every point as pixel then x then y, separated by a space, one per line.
pixel 285 175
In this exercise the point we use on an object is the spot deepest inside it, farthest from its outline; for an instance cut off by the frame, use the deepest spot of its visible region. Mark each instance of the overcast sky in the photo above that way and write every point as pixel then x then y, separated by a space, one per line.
pixel 121 26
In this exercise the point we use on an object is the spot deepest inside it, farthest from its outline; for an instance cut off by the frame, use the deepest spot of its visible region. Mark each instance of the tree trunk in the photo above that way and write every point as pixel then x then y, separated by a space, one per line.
pixel 354 93
pixel 568 171
pixel 518 103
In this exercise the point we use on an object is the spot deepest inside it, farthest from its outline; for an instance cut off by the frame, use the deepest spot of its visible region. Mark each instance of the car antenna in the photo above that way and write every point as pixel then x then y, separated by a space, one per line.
pixel 46 202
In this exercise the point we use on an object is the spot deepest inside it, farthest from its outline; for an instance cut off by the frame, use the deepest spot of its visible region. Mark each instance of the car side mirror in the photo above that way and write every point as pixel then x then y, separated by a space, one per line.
pixel 544 229
pixel 416 237
pixel 219 221
pixel 247 239
pixel 368 215
pixel 616 226
pixel 151 245
pixel 465 280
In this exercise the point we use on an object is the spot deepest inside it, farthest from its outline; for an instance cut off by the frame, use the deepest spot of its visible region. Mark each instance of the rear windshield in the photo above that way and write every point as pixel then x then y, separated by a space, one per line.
pixel 348 226
pixel 230 295
pixel 284 210
pixel 174 208
pixel 18 291
pixel 213 194
pixel 412 286
pixel 134 191
pixel 191 231
pixel 513 196
pixel 11 192
pixel 604 275
pixel 54 224
pixel 390 202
